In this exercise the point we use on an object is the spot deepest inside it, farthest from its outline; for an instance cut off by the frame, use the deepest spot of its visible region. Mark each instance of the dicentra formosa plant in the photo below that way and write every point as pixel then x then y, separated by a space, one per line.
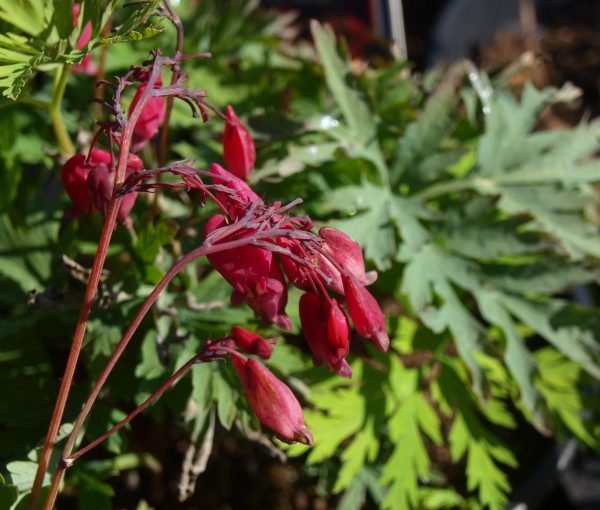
pixel 256 246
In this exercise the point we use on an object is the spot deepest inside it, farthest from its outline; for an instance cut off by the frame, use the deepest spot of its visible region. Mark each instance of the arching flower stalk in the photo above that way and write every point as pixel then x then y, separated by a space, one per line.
pixel 257 246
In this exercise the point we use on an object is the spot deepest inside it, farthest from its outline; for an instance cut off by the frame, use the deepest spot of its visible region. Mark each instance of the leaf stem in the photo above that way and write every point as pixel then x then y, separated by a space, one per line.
pixel 58 124
pixel 184 369
pixel 204 249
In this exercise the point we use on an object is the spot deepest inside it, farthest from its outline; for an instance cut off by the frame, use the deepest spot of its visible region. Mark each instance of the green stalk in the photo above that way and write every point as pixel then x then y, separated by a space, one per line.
pixel 58 124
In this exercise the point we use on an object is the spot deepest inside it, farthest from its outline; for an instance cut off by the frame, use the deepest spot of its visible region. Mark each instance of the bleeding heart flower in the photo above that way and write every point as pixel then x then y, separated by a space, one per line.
pixel 252 343
pixel 367 317
pixel 74 177
pixel 238 147
pixel 302 276
pixel 237 202
pixel 270 305
pixel 150 119
pixel 272 401
pixel 327 332
pixel 100 182
pixel 245 268
pixel 254 275
pixel 347 253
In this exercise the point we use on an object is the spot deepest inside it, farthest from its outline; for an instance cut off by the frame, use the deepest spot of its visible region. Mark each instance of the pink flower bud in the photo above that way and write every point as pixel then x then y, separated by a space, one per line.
pixel 238 147
pixel 272 401
pixel 326 330
pixel 100 182
pixel 252 343
pixel 347 253
pixel 242 193
pixel 74 177
pixel 150 119
pixel 86 66
pixel 367 317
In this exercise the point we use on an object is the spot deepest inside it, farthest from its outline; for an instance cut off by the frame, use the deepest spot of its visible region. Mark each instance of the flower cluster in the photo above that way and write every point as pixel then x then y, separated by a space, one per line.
pixel 257 247
pixel 89 180
pixel 329 262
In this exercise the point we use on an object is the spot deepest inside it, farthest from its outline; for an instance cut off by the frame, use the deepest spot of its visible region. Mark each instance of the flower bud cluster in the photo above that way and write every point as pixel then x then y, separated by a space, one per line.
pixel 257 247
pixel 320 265
pixel 89 181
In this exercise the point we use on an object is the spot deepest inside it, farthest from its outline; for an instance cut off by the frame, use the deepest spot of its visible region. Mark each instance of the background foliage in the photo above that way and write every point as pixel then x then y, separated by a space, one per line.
pixel 480 221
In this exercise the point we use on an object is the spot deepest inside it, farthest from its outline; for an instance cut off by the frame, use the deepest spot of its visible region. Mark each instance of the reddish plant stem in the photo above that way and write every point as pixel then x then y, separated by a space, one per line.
pixel 205 249
pixel 88 299
pixel 151 399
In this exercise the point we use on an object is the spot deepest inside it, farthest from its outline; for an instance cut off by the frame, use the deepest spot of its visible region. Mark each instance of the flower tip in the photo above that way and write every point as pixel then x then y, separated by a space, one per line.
pixel 343 369
pixel 283 321
pixel 381 341
pixel 304 436
pixel 230 112
pixel 370 277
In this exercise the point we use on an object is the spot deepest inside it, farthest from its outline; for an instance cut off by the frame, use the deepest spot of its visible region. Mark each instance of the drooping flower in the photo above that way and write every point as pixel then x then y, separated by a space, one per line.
pixel 302 276
pixel 270 305
pixel 252 343
pixel 272 401
pixel 74 177
pixel 245 268
pixel 347 253
pixel 242 195
pixel 150 118
pixel 327 332
pixel 254 275
pixel 100 182
pixel 86 66
pixel 366 314
pixel 238 146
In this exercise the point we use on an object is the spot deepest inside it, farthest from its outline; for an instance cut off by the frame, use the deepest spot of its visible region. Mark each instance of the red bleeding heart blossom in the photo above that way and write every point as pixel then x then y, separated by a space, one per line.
pixel 86 66
pixel 89 183
pixel 301 276
pixel 347 253
pixel 245 268
pixel 270 305
pixel 254 275
pixel 326 330
pixel 238 147
pixel 235 203
pixel 150 119
pixel 272 401
pixel 367 317
pixel 252 343
pixel 74 177
pixel 101 180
